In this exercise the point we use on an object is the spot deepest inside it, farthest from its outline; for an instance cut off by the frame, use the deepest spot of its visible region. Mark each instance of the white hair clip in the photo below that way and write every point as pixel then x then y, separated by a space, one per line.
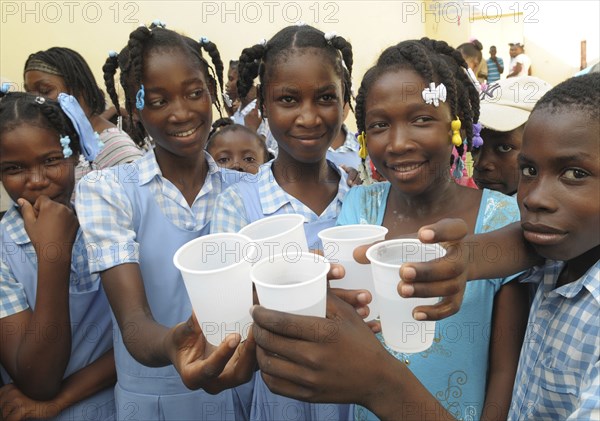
pixel 204 40
pixel 262 42
pixel 433 95
pixel 329 36
pixel 300 23
pixel 112 54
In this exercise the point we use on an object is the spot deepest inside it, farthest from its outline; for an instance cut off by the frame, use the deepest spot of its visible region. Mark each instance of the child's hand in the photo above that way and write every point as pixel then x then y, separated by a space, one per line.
pixel 50 225
pixel 201 365
pixel 16 406
pixel 445 277
pixel 253 120
pixel 316 359
pixel 353 176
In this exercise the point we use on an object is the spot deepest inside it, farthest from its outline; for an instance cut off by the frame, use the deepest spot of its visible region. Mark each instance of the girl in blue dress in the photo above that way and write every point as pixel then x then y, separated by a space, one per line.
pixel 303 89
pixel 136 216
pixel 56 349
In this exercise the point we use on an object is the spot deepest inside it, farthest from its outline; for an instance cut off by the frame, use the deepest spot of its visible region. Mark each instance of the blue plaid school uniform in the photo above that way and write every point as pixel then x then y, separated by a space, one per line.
pixel 132 214
pixel 91 328
pixel 559 369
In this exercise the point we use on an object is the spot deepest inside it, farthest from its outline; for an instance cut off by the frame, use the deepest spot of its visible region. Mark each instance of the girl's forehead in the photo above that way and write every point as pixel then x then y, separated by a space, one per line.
pixel 302 61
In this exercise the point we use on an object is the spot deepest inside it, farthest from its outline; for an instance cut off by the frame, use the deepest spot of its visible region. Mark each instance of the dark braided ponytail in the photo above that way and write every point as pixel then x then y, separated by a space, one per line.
pixel 130 62
pixel 258 59
pixel 18 108
pixel 435 61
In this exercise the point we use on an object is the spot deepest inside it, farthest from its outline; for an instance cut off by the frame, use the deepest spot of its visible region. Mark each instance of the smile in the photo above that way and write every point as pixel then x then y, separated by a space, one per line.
pixel 186 133
pixel 408 167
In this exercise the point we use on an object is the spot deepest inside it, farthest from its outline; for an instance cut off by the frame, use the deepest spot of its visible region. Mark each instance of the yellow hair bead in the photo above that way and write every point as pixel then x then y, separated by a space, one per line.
pixel 362 141
pixel 456 137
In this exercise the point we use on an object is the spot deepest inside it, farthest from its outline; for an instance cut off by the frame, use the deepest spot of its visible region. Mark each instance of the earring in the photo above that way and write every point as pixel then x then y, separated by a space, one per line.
pixel 362 141
pixel 64 142
pixel 139 98
pixel 456 137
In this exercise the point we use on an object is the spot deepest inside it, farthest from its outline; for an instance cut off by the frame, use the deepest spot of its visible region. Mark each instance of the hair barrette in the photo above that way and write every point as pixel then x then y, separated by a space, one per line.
pixel 204 40
pixel 40 100
pixel 262 42
pixel 300 23
pixel 5 88
pixel 65 141
pixel 433 95
pixel 139 98
pixel 112 54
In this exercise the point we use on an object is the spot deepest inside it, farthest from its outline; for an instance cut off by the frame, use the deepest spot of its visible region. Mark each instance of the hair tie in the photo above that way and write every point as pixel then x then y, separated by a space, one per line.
pixel 262 42
pixel 329 36
pixel 159 23
pixel 477 139
pixel 112 54
pixel 140 97
pixel 88 139
pixel 65 141
pixel 204 40
pixel 40 100
pixel 456 137
pixel 362 141
pixel 5 88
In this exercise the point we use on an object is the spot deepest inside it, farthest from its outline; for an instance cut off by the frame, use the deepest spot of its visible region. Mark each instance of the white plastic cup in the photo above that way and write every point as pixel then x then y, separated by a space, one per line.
pixel 216 273
pixel 278 234
pixel 291 284
pixel 338 247
pixel 401 332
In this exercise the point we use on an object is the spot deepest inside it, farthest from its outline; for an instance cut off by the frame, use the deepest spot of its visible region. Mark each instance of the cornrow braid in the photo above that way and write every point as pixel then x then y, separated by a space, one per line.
pixel 17 108
pixel 75 71
pixel 218 124
pixel 258 59
pixel 434 61
pixel 131 65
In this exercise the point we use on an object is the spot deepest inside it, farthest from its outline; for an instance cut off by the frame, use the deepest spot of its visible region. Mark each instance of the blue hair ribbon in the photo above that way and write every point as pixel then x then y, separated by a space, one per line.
pixel 88 140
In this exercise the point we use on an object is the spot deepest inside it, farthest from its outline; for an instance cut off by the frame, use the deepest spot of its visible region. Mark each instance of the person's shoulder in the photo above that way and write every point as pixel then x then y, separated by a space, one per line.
pixel 367 193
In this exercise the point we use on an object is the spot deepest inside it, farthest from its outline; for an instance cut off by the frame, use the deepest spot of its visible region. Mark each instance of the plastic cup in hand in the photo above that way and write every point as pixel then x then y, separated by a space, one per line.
pixel 338 247
pixel 277 234
pixel 293 284
pixel 216 273
pixel 401 332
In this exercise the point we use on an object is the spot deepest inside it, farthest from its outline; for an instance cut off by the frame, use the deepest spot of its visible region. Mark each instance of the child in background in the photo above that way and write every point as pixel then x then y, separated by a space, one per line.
pixel 230 96
pixel 138 218
pixel 410 142
pixel 236 147
pixel 504 112
pixel 303 89
pixel 56 330
pixel 48 73
pixel 344 149
pixel 559 372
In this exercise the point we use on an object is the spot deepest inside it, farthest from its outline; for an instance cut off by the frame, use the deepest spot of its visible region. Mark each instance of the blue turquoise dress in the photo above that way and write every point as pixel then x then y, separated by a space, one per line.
pixel 454 368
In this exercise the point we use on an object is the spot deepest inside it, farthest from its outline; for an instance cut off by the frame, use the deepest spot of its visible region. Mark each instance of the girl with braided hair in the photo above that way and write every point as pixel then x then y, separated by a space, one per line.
pixel 302 92
pixel 138 217
pixel 58 69
pixel 410 109
pixel 56 351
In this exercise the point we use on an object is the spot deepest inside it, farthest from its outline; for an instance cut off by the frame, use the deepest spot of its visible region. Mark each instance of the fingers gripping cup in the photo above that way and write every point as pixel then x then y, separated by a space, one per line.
pixel 216 273
pixel 401 332
pixel 338 246
pixel 294 284
pixel 277 234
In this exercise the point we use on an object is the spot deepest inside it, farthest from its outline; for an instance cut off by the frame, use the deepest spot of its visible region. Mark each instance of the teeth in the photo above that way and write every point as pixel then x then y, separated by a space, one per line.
pixel 184 134
pixel 405 168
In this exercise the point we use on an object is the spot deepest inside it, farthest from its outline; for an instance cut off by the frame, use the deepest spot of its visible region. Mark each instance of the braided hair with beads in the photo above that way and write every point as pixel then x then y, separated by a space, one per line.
pixel 435 61
pixel 18 108
pixel 260 58
pixel 130 62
